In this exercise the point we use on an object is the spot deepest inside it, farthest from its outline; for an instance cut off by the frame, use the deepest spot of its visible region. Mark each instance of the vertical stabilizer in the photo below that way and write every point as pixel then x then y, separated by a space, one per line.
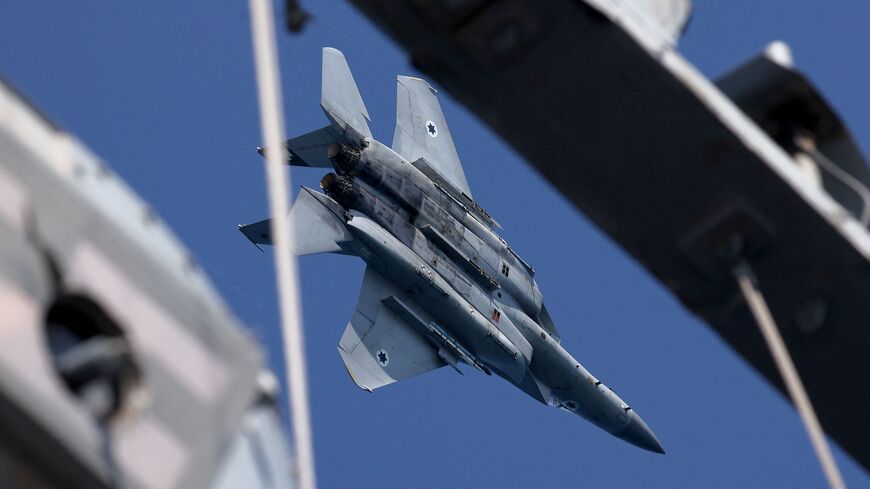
pixel 422 132
pixel 340 98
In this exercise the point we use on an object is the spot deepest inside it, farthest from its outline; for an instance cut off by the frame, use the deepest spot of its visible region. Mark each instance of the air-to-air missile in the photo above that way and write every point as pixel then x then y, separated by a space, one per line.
pixel 440 287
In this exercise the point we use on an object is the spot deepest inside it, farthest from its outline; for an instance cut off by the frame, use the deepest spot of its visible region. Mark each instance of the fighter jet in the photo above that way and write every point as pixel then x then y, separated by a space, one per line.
pixel 440 287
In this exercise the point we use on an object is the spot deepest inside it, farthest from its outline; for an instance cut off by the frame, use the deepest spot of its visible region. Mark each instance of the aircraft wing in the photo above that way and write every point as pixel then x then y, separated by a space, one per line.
pixel 378 347
pixel 422 132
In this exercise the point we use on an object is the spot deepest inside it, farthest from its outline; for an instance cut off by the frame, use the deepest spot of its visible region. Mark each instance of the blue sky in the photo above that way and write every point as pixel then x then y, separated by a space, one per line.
pixel 164 91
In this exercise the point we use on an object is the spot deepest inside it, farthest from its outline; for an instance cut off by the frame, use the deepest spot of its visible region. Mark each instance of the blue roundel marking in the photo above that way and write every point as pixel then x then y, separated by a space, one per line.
pixel 431 129
pixel 383 358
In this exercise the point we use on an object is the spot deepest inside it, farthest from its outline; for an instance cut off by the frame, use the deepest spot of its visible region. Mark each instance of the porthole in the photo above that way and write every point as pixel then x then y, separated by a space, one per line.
pixel 90 354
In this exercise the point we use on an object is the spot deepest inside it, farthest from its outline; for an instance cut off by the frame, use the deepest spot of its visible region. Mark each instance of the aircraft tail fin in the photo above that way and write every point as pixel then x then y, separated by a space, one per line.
pixel 318 226
pixel 343 105
pixel 340 98
pixel 422 132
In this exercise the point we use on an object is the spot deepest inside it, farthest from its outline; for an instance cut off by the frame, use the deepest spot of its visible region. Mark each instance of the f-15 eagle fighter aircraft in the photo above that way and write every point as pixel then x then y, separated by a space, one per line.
pixel 440 287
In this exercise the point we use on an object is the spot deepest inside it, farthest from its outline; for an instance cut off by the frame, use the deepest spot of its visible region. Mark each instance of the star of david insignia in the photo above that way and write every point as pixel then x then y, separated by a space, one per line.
pixel 382 357
pixel 431 129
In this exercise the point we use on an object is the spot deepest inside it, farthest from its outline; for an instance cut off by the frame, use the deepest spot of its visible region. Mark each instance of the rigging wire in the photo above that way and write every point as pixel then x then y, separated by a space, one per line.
pixel 808 146
pixel 758 306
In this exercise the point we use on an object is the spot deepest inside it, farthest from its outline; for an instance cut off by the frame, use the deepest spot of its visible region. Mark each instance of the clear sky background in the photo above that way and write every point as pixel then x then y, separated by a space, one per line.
pixel 164 91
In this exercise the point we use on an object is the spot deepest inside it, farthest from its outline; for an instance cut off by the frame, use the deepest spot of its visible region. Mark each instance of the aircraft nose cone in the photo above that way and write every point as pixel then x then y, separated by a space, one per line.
pixel 639 434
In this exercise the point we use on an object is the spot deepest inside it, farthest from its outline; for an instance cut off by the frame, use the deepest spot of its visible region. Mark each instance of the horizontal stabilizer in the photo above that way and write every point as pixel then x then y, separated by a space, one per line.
pixel 378 347
pixel 317 226
pixel 340 98
pixel 310 149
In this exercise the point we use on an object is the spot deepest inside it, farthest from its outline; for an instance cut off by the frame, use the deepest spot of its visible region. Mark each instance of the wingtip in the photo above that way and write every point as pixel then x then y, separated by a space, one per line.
pixel 332 50
pixel 242 230
pixel 402 78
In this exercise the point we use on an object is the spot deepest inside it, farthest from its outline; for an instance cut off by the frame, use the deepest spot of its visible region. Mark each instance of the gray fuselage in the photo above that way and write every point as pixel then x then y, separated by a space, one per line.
pixel 435 243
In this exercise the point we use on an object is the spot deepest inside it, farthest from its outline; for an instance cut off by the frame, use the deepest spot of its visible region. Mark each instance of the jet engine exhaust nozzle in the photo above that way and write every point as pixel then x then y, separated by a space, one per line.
pixel 345 160
pixel 339 188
